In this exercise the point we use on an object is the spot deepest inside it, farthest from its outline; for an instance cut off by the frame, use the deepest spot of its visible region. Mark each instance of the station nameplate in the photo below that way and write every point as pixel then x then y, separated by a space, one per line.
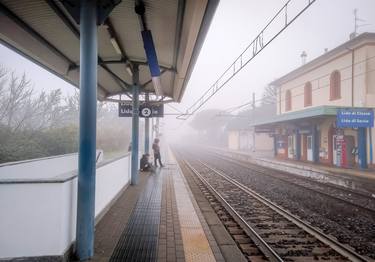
pixel 145 110
pixel 355 117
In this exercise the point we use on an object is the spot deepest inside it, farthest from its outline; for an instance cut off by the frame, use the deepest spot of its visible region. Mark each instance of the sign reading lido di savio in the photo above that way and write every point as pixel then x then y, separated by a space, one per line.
pixel 355 117
pixel 145 110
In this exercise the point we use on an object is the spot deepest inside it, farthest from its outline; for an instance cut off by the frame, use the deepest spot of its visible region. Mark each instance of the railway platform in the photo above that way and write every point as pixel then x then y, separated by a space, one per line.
pixel 299 166
pixel 163 219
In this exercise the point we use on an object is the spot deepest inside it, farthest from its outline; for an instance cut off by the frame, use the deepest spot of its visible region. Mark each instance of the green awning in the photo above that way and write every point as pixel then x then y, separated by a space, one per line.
pixel 312 112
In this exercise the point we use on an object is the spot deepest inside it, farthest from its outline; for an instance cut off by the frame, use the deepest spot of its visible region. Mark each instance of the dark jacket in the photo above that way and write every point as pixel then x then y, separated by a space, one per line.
pixel 156 148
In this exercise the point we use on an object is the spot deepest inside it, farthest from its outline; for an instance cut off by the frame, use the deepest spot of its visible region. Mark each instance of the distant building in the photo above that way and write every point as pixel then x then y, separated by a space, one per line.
pixel 242 135
pixel 325 107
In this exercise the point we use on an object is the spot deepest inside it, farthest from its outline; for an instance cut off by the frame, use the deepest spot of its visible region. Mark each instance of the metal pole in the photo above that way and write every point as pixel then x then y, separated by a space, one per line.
pixel 152 129
pixel 87 132
pixel 315 144
pixel 352 89
pixel 362 144
pixel 371 149
pixel 298 145
pixel 147 129
pixel 157 128
pixel 135 126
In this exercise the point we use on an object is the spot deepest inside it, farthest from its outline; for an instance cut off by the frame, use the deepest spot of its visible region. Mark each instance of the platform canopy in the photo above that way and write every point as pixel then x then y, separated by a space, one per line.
pixel 45 32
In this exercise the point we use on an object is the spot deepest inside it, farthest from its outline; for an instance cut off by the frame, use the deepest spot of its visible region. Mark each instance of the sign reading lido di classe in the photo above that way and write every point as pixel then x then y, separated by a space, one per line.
pixel 145 110
pixel 355 117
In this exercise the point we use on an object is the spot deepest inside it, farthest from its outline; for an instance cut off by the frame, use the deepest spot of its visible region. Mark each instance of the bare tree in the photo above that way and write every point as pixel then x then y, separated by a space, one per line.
pixel 269 95
pixel 21 108
pixel 16 94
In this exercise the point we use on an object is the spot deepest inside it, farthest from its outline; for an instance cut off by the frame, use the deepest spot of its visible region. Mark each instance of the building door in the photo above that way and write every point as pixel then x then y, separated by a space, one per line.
pixel 290 147
pixel 309 149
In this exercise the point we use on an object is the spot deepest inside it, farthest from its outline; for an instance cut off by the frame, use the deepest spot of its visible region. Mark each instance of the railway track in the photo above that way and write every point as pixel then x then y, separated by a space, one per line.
pixel 233 223
pixel 356 199
pixel 280 235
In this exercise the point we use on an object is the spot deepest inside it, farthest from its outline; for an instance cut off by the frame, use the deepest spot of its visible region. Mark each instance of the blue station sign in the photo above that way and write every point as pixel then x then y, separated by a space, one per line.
pixel 355 117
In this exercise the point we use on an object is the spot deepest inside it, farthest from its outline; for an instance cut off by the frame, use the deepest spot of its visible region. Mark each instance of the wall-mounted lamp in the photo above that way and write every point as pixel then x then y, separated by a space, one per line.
pixel 115 45
pixel 128 69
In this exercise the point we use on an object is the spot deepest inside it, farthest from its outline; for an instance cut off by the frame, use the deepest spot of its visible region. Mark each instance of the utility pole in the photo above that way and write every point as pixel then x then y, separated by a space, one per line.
pixel 356 25
pixel 253 104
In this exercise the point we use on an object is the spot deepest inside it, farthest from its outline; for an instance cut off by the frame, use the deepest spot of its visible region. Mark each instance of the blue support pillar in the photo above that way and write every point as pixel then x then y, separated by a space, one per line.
pixel 275 146
pixel 87 131
pixel 147 130
pixel 135 127
pixel 362 150
pixel 298 145
pixel 315 144
pixel 371 149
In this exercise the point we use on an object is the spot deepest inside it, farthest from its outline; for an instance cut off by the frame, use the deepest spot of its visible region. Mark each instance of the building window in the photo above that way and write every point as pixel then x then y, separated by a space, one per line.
pixel 308 94
pixel 288 100
pixel 335 86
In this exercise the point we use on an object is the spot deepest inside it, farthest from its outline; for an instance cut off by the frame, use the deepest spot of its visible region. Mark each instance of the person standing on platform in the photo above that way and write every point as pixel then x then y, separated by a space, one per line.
pixel 156 149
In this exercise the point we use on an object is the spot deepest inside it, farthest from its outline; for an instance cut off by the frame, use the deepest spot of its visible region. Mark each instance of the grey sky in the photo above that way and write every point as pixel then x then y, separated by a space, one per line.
pixel 326 24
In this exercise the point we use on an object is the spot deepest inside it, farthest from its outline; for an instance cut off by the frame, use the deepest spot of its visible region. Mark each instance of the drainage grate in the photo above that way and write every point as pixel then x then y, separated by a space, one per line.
pixel 139 240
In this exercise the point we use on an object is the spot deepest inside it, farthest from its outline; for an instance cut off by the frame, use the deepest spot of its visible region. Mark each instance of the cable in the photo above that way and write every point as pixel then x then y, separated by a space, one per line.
pixel 174 108
pixel 251 51
pixel 302 93
pixel 231 109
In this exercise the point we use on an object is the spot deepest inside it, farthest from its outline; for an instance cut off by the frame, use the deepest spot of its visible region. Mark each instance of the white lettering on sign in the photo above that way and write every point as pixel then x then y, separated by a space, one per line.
pixel 126 111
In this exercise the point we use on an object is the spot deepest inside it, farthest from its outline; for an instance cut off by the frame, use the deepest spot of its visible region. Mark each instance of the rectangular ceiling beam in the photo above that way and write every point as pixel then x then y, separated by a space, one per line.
pixel 76 32
pixel 35 34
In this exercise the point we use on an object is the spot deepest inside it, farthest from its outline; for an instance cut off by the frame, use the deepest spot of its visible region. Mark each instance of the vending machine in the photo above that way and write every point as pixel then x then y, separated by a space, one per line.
pixel 343 148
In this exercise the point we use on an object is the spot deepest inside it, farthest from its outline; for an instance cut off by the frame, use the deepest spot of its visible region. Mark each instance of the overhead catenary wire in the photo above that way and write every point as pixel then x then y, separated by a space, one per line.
pixel 232 109
pixel 249 53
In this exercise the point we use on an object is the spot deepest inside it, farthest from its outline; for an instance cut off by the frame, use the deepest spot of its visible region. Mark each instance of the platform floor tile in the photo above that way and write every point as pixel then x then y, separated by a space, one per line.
pixel 195 242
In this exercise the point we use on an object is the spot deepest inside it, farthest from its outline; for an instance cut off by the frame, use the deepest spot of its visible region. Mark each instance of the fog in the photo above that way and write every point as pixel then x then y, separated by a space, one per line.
pixel 326 24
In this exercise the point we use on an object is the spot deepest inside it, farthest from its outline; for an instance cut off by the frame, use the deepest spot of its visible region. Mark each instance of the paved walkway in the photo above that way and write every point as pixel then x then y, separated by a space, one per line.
pixel 157 220
pixel 366 174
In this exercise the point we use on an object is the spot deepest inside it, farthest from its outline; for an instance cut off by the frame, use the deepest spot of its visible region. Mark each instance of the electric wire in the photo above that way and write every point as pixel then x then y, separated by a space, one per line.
pixel 257 45
pixel 232 109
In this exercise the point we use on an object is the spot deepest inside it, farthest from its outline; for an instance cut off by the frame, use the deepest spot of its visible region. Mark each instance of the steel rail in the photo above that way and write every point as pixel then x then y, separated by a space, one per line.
pixel 255 168
pixel 267 250
pixel 317 233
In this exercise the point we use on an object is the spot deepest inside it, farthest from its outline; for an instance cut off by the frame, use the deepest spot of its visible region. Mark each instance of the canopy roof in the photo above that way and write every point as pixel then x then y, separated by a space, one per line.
pixel 309 113
pixel 245 119
pixel 46 33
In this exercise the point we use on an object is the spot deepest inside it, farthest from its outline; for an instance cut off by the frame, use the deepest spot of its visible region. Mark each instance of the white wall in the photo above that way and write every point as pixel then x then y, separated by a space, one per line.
pixel 42 168
pixel 233 140
pixel 364 77
pixel 38 219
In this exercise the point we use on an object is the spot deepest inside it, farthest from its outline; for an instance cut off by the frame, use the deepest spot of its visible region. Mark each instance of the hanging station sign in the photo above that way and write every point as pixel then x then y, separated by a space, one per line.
pixel 145 110
pixel 355 117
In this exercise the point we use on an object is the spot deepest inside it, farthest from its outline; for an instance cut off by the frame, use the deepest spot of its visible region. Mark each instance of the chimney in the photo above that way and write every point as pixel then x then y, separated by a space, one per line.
pixel 303 57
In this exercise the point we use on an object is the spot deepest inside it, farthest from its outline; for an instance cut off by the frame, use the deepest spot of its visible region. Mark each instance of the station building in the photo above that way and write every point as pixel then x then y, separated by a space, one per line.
pixel 312 99
pixel 241 133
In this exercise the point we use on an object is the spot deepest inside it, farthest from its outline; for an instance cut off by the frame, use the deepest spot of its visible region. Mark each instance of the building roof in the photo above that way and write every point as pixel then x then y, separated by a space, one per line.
pixel 312 112
pixel 46 33
pixel 245 119
pixel 346 47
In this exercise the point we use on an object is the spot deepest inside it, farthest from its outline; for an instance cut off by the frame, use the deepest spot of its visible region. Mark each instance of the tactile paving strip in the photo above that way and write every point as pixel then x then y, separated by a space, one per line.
pixel 139 240
pixel 196 246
